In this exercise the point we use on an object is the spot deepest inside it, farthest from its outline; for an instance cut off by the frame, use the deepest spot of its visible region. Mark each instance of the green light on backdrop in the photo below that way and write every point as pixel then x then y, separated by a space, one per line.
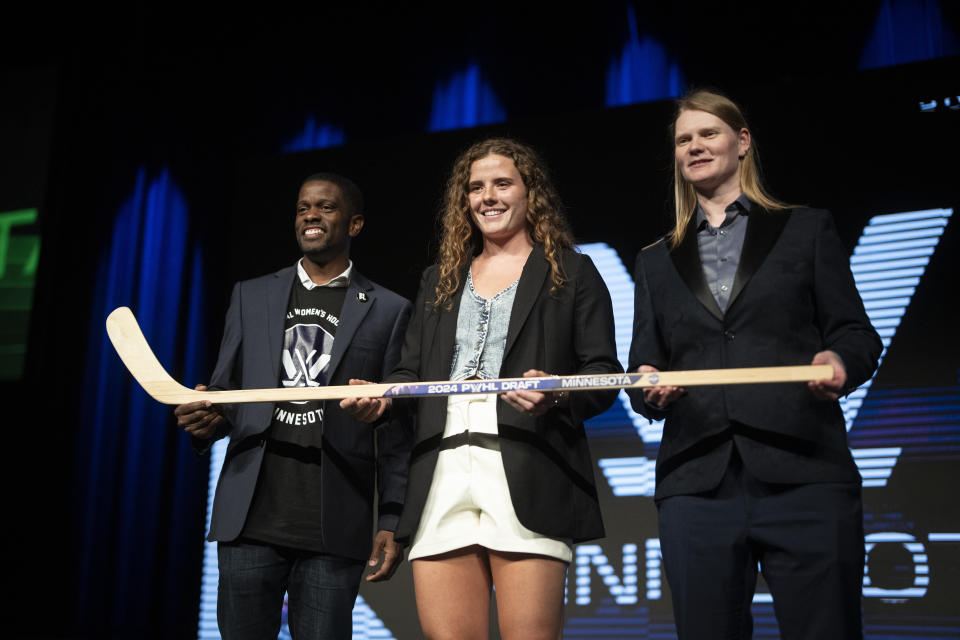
pixel 19 256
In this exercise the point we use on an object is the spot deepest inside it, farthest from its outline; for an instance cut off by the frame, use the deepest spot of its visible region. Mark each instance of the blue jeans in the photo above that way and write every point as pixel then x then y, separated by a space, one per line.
pixel 253 578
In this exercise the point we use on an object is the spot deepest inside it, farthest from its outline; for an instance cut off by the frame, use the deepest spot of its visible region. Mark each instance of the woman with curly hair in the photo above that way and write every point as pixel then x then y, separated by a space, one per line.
pixel 500 487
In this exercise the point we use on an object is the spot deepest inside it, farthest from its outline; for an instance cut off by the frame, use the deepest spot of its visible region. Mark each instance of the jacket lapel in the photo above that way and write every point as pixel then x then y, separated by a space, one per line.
pixel 528 291
pixel 353 312
pixel 278 298
pixel 686 259
pixel 763 231
pixel 446 332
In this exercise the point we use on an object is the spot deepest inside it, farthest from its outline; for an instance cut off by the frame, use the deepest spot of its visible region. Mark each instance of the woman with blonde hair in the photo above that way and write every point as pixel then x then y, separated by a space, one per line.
pixel 748 180
pixel 500 487
pixel 751 475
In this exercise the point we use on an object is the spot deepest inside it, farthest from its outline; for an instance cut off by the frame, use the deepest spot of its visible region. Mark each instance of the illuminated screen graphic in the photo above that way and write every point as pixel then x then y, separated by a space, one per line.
pixel 905 440
pixel 19 256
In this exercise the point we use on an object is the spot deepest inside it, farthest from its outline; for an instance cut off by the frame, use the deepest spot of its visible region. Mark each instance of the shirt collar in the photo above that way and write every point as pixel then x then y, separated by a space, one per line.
pixel 341 280
pixel 741 205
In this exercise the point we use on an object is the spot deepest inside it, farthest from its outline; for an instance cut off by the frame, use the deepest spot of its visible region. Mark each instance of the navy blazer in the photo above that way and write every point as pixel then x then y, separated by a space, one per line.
pixel 367 346
pixel 793 296
pixel 546 458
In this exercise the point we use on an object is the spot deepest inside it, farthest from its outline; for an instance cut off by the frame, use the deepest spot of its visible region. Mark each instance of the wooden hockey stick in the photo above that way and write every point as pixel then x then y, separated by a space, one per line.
pixel 136 354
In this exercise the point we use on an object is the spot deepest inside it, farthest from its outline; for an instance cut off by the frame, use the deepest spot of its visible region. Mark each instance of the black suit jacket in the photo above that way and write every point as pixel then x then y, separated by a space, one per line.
pixel 367 346
pixel 793 295
pixel 546 458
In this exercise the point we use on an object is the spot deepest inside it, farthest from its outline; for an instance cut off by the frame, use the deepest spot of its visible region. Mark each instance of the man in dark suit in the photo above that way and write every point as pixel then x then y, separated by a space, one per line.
pixel 753 473
pixel 294 501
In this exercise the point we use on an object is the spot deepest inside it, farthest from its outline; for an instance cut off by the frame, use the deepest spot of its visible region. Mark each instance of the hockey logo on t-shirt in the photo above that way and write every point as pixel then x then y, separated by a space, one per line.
pixel 309 332
pixel 304 365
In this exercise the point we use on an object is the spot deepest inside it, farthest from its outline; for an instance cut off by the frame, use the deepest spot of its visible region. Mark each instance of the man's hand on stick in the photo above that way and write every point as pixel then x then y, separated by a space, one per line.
pixel 199 419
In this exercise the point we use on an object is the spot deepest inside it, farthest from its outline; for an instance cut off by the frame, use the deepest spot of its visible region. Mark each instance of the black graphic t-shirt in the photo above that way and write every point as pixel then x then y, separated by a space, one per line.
pixel 286 504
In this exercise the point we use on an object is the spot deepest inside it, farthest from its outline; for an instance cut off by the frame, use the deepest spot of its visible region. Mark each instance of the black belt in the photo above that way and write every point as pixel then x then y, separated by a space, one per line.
pixel 484 440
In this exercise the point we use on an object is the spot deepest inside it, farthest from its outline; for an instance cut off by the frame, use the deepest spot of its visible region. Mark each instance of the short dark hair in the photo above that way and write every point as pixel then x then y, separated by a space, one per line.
pixel 351 192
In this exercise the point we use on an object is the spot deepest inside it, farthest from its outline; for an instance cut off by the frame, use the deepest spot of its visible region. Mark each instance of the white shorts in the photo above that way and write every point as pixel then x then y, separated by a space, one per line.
pixel 469 501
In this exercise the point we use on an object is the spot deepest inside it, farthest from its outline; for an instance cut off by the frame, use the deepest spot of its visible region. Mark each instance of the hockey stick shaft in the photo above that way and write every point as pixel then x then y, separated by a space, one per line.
pixel 139 359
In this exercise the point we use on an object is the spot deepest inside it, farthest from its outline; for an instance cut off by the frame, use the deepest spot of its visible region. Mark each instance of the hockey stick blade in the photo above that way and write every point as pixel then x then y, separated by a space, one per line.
pixel 140 360
pixel 133 349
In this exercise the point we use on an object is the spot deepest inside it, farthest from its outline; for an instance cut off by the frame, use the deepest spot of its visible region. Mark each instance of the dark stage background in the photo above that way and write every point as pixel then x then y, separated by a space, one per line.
pixel 163 154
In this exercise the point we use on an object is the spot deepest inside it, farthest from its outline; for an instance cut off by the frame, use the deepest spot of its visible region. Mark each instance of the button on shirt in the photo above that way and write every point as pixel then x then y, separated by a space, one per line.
pixel 720 248
pixel 481 332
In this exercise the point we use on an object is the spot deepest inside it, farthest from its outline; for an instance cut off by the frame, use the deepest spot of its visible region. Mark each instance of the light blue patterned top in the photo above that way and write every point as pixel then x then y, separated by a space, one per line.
pixel 481 332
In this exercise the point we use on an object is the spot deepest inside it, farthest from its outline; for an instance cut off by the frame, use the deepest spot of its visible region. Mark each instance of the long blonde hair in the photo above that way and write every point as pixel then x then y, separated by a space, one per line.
pixel 460 239
pixel 684 195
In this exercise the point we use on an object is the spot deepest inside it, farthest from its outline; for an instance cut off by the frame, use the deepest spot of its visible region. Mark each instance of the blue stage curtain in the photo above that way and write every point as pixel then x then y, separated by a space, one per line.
pixel 137 478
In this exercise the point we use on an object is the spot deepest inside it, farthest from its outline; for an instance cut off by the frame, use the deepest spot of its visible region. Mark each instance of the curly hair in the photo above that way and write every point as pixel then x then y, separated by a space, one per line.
pixel 460 239
pixel 684 195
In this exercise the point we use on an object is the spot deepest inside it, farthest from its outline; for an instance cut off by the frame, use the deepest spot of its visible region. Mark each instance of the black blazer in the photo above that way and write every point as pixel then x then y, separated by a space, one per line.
pixel 546 458
pixel 367 346
pixel 793 295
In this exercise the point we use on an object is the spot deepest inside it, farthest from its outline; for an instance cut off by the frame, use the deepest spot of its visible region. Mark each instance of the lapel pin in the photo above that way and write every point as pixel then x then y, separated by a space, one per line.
pixel 361 296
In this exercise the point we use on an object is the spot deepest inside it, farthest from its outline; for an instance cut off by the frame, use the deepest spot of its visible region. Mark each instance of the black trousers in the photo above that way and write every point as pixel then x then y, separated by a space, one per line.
pixel 807 540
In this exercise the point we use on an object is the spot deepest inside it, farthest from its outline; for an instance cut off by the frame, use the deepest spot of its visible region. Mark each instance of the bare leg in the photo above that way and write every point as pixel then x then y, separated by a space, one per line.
pixel 453 594
pixel 529 595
